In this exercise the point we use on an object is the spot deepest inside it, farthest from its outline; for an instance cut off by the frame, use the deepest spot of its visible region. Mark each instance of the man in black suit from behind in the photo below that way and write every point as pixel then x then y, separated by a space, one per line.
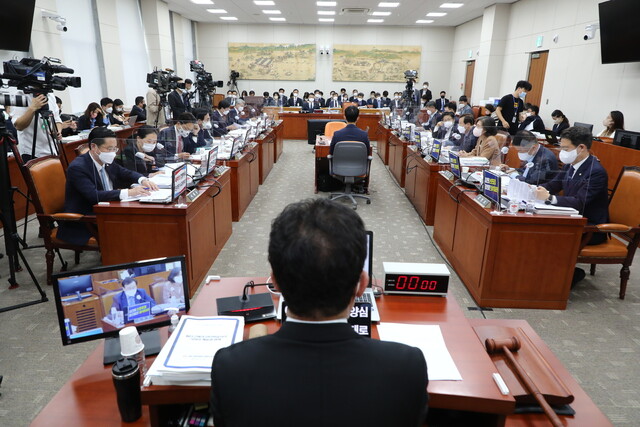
pixel 317 370
pixel 350 132
pixel 93 177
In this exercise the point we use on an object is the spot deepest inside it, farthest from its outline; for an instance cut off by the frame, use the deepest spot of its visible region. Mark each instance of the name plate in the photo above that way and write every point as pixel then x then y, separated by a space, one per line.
pixel 193 194
pixel 447 174
pixel 360 318
pixel 483 201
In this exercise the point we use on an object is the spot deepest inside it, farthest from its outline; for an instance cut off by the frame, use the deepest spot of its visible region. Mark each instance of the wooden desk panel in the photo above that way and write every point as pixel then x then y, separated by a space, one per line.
pixel 241 180
pixel 498 257
pixel 295 124
pixel 278 147
pixel 397 158
pixel 267 147
pixel 382 142
pixel 421 184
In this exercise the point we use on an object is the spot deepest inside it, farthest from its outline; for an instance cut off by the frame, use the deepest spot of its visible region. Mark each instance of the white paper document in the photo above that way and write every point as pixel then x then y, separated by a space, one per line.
pixel 428 338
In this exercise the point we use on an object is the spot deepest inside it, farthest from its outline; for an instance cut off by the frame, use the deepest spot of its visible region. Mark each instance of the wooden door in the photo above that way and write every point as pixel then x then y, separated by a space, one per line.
pixel 468 80
pixel 537 70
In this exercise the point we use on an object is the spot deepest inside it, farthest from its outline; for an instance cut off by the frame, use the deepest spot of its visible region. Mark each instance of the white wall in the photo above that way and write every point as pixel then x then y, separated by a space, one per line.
pixel 466 38
pixel 213 39
pixel 135 60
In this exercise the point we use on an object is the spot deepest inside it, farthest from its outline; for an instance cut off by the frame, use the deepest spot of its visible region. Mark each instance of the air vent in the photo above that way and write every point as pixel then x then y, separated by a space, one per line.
pixel 355 11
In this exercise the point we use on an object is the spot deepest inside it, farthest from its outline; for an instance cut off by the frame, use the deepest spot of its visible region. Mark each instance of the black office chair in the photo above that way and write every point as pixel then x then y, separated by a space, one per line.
pixel 350 163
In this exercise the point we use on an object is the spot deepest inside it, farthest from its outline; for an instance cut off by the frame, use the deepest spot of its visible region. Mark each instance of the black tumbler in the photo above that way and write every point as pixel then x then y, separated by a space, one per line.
pixel 126 379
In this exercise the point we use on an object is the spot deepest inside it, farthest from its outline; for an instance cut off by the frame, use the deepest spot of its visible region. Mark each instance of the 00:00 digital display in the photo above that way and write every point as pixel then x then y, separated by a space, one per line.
pixel 413 283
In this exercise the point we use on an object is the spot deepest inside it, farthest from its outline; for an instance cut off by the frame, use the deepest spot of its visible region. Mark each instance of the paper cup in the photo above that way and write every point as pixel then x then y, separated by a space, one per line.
pixel 130 342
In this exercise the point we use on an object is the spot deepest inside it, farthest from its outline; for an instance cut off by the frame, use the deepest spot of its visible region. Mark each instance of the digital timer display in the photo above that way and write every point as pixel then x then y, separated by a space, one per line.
pixel 416 278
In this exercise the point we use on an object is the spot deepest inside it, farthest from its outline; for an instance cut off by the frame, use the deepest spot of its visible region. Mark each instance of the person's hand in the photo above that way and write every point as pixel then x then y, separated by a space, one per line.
pixel 184 155
pixel 150 185
pixel 196 129
pixel 151 175
pixel 38 102
pixel 541 193
pixel 138 191
pixel 150 159
pixel 504 167
pixel 505 124
pixel 456 136
pixel 232 127
pixel 440 123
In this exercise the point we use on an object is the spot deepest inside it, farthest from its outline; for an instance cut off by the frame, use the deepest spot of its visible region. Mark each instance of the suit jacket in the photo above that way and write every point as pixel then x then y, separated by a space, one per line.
pixel 440 103
pixel 545 167
pixel 427 92
pixel 433 120
pixel 320 375
pixel 586 191
pixel 84 122
pixel 307 106
pixel 176 102
pixel 559 127
pixel 137 164
pixel 334 103
pixel 295 102
pixel 535 121
pixel 84 189
pixel 139 112
pixel 361 103
pixel 218 123
pixel 386 102
pixel 167 137
pixel 371 101
pixel 120 301
pixel 469 141
pixel 394 104
pixel 448 138
pixel 466 110
pixel 350 132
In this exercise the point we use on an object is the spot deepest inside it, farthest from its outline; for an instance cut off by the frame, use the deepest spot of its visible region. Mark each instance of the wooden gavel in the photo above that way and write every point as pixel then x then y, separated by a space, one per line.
pixel 508 345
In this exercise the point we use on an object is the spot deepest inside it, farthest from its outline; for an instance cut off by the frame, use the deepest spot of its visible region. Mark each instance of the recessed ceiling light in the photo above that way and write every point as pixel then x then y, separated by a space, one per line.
pixel 326 3
pixel 381 13
pixel 388 4
pixel 280 19
pixel 424 21
pixel 216 11
pixel 264 3
pixel 228 18
pixel 271 12
pixel 326 12
pixel 451 5
pixel 326 19
pixel 373 21
pixel 436 14
pixel 202 1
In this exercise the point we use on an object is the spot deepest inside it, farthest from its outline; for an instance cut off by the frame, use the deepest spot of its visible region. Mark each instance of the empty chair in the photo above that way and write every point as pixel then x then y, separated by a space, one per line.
pixel 350 163
pixel 331 127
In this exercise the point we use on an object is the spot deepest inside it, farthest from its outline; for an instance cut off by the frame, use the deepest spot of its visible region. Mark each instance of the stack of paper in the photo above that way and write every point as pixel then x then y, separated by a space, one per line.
pixel 520 191
pixel 187 356
pixel 544 209
pixel 473 161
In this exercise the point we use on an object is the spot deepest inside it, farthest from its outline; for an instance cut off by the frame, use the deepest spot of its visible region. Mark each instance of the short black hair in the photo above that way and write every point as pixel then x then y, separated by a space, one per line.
pixel 467 118
pixel 186 118
pixel 448 114
pixel 58 100
pixel 523 84
pixel 177 271
pixel 489 126
pixel 360 94
pixel 431 104
pixel 452 105
pixel 99 134
pixel 490 107
pixel 463 98
pixel 224 104
pixel 442 91
pixel 281 89
pixel 145 130
pixel 317 263
pixel 139 99
pixel 128 280
pixel 578 135
pixel 106 101
pixel 351 113
pixel 265 93
pixel 534 108
pixel 385 93
pixel 524 138
pixel 199 113
pixel 118 101
pixel 188 82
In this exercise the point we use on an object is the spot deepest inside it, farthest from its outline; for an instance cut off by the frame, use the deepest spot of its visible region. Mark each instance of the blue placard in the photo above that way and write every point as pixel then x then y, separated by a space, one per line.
pixel 454 159
pixel 138 311
pixel 435 149
pixel 491 186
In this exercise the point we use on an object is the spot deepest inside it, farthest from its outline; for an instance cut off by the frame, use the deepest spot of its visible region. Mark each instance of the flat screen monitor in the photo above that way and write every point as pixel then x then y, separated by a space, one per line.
pixel 491 186
pixel 138 294
pixel 212 157
pixel 619 31
pixel 16 20
pixel 584 125
pixel 436 147
pixel 627 138
pixel 454 160
pixel 178 181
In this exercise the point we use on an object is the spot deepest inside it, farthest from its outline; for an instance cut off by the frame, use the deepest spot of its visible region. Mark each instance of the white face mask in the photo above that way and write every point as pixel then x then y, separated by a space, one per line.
pixel 130 292
pixel 107 158
pixel 396 97
pixel 311 100
pixel 317 95
pixel 109 110
pixel 148 147
pixel 447 125
pixel 424 86
pixel 183 132
pixel 461 129
pixel 557 121
pixel 525 157
pixel 477 132
pixel 206 125
pixel 295 94
pixel 567 157
pixel 241 109
pixel 225 112
pixel 527 114
pixel 335 98
pixel 177 279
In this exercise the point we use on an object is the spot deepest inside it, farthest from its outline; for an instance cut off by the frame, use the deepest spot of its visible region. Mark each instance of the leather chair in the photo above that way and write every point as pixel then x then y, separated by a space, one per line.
pixel 504 140
pixel 46 180
pixel 331 127
pixel 476 112
pixel 624 214
pixel 350 163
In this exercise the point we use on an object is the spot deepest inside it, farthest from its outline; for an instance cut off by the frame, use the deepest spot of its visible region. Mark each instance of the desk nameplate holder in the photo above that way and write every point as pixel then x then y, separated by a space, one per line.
pixel 447 174
pixel 482 201
pixel 193 194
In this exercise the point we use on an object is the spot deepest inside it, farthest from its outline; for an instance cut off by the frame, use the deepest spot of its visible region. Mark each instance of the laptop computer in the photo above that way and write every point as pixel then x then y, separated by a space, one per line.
pixel 551 137
pixel 368 295
pixel 132 121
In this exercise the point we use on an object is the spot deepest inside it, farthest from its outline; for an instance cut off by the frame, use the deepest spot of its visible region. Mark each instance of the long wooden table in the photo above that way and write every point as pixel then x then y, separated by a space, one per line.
pixel 295 124
pixel 245 179
pixel 421 183
pixel 88 398
pixel 131 231
pixel 512 261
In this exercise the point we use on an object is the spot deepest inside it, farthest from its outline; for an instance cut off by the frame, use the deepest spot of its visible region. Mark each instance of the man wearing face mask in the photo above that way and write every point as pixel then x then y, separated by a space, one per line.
pixel 219 122
pixel 295 100
pixel 463 106
pixel 360 100
pixel 180 140
pixel 94 177
pixel 205 135
pixel 425 92
pixel 446 131
pixel 539 165
pixel 334 102
pixel 396 102
pixel 176 102
pixel 238 114
pixel 465 128
pixel 310 104
pixel 106 104
pixel 354 96
pixel 532 121
pixel 343 95
pixel 512 105
pixel 442 101
pixel 130 295
pixel 139 109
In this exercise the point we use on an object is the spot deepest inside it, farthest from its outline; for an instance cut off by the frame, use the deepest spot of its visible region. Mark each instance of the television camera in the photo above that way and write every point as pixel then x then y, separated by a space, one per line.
pixel 164 81
pixel 204 83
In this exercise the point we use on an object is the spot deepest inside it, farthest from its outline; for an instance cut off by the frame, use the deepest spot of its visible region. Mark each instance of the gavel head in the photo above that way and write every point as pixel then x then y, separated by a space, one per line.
pixel 495 345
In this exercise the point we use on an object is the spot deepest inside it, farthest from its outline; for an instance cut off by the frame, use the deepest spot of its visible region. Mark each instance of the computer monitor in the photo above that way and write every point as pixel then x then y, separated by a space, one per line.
pixel 212 157
pixel 178 181
pixel 436 147
pixel 584 125
pixel 113 297
pixel 627 138
pixel 491 186
pixel 454 160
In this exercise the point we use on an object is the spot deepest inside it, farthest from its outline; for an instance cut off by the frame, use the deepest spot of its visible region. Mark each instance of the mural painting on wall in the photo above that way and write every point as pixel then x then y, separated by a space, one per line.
pixel 271 61
pixel 369 63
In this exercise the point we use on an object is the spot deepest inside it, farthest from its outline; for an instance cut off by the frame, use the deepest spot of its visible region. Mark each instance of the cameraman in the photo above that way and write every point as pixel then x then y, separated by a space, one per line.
pixel 155 110
pixel 24 126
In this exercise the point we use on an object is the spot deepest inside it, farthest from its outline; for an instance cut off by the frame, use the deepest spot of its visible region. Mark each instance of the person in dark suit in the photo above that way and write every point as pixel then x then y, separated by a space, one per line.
pixel 377 101
pixel 316 365
pixel 372 98
pixel 396 102
pixel 295 100
pixel 442 101
pixel 334 102
pixel 434 116
pixel 425 92
pixel 180 140
pixel 446 130
pixel 176 102
pixel 320 98
pixel 539 164
pixel 343 95
pixel 219 122
pixel 204 123
pixel 532 121
pixel 360 100
pixel 91 117
pixel 310 104
pixel 106 105
pixel 354 96
pixel 350 132
pixel 386 102
pixel 139 110
pixel 141 151
pixel 560 122
pixel 465 127
pixel 93 177
pixel 267 101
pixel 130 295
pixel 279 101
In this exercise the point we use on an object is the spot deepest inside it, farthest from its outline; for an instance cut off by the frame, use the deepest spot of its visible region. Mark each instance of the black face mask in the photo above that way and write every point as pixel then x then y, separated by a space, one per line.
pixel 144 106
pixel 442 96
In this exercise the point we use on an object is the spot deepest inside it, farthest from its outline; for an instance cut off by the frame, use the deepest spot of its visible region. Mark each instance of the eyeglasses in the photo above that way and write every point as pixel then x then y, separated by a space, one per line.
pixel 111 149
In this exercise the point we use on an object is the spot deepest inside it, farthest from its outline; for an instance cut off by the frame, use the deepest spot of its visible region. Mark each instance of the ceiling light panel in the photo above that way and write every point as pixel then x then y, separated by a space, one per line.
pixel 277 19
pixel 326 3
pixel 381 14
pixel 216 11
pixel 271 12
pixel 326 12
pixel 201 2
pixel 451 5
pixel 388 4
pixel 326 19
pixel 375 21
pixel 436 14
pixel 264 3
pixel 228 18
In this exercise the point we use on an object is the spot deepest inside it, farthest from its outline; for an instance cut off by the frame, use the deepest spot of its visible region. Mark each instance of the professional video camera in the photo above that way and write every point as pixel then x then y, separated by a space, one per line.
pixel 37 76
pixel 204 80
pixel 164 81
pixel 408 98
pixel 411 74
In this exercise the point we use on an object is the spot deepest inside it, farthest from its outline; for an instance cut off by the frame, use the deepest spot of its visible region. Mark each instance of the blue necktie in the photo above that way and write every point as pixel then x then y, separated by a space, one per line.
pixel 105 180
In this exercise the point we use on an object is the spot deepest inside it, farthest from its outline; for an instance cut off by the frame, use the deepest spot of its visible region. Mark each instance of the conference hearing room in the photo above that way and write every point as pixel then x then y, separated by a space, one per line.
pixel 319 213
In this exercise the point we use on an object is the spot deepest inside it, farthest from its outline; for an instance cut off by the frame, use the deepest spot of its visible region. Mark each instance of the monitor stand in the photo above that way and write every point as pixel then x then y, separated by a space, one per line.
pixel 151 340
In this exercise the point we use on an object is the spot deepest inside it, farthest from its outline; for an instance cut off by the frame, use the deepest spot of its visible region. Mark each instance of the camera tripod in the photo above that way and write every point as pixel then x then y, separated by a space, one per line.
pixel 408 101
pixel 7 217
